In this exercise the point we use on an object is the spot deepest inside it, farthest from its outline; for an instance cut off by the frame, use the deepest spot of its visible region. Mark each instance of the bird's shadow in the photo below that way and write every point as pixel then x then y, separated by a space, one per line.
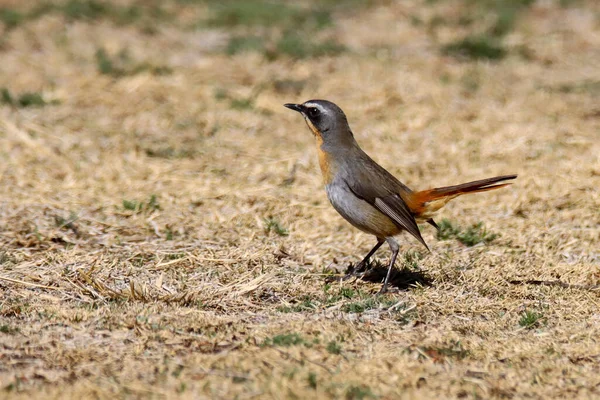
pixel 402 279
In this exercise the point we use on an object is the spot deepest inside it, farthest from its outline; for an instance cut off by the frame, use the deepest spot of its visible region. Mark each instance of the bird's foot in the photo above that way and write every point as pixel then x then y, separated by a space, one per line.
pixel 382 291
pixel 353 274
pixel 357 271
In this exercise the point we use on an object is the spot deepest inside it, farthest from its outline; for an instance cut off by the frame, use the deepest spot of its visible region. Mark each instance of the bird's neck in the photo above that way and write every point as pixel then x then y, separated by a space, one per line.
pixel 333 152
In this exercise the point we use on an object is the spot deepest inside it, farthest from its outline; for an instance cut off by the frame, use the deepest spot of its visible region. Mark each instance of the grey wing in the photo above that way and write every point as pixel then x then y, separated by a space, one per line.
pixel 390 204
pixel 394 207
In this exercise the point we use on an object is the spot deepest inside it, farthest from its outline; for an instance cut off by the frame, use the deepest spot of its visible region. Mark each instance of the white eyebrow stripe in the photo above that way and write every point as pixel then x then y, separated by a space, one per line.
pixel 320 107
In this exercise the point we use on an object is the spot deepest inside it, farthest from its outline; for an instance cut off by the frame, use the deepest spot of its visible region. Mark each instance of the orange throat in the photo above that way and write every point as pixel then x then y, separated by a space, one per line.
pixel 325 163
pixel 324 160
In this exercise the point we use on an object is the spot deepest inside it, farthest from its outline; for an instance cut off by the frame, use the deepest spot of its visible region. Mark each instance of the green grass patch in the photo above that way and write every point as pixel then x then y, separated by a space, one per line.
pixel 175 256
pixel 506 13
pixel 586 86
pixel 6 96
pixel 410 260
pixel 348 293
pixel 369 303
pixel 447 230
pixel 242 103
pixel 273 225
pixel 348 300
pixel 359 393
pixel 299 46
pixel 287 29
pixel 473 235
pixel 122 64
pixel 90 10
pixel 142 206
pixel 87 9
pixel 243 44
pixel 352 301
pixel 291 44
pixel 31 99
pixel 570 3
pixel 285 340
pixel 312 380
pixel 306 303
pixel 334 347
pixel 23 100
pixel 93 10
pixel 11 18
pixel 530 319
pixel 6 259
pixel 234 13
pixel 476 48
pixel 484 43
pixel 170 152
pixel 104 62
pixel 66 223
pixel 9 330
pixel 343 293
pixel 476 234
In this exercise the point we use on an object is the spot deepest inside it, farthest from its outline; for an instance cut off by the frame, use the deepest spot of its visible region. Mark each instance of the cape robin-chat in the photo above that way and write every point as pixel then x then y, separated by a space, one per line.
pixel 367 195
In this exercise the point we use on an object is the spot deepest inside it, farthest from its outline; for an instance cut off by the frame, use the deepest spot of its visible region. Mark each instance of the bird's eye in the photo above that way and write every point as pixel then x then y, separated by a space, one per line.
pixel 313 111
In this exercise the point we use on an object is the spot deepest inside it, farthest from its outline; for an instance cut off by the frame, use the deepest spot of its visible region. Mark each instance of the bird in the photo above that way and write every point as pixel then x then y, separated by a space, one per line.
pixel 366 194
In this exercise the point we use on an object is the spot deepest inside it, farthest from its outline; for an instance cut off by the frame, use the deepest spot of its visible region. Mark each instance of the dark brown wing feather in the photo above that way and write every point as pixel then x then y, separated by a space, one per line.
pixel 383 191
pixel 394 207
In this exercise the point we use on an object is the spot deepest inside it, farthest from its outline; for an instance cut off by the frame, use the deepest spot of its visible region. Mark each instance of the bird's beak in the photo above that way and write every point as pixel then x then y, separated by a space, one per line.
pixel 295 107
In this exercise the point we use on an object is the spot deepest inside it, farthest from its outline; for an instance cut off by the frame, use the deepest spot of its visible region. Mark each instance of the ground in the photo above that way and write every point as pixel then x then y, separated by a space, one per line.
pixel 164 231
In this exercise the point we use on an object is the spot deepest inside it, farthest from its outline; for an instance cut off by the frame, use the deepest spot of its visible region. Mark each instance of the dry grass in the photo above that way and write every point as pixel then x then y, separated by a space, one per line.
pixel 164 232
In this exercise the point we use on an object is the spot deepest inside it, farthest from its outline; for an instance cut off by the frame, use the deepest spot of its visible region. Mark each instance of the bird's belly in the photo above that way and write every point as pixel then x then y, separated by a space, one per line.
pixel 360 213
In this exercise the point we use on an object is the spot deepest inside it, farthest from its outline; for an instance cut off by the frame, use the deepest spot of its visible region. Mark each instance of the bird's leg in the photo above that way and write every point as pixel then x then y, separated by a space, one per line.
pixel 360 267
pixel 395 248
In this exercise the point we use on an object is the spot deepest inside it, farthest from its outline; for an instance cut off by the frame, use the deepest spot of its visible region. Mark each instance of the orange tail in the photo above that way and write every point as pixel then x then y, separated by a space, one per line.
pixel 425 203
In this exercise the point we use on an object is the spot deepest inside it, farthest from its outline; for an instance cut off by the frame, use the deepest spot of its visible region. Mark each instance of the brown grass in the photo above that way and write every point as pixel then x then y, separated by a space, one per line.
pixel 189 295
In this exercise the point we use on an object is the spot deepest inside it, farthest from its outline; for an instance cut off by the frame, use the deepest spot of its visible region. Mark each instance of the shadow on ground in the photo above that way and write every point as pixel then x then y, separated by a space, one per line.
pixel 403 279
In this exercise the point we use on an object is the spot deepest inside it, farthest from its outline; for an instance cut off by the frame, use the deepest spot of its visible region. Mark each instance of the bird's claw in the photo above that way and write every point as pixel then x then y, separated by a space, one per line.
pixel 382 291
pixel 357 271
